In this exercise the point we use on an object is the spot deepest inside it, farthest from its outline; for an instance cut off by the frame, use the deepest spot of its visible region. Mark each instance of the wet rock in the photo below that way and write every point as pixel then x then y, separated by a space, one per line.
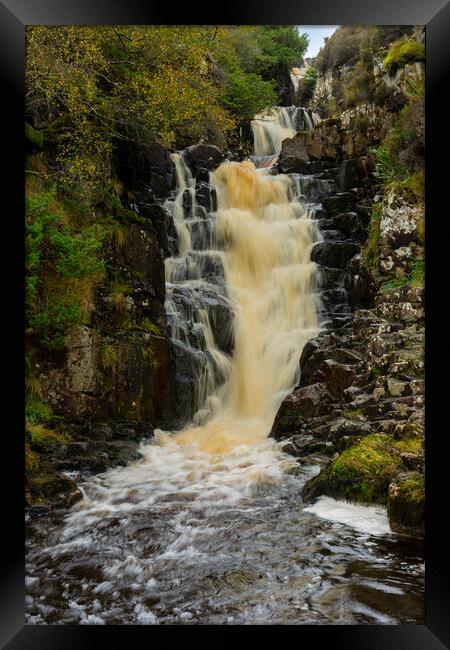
pixel 349 224
pixel 221 318
pixel 340 203
pixel 360 283
pixel 301 403
pixel 334 254
pixel 293 155
pixel 406 504
pixel 354 172
pixel 304 400
pixel 206 196
pixel 142 165
pixel 203 156
pixel 338 376
pixel 54 490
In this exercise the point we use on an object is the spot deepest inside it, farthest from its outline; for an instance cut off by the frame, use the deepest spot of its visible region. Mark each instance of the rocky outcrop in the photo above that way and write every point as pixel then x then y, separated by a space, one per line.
pixel 203 158
pixel 358 407
pixel 368 412
pixel 119 364
pixel 401 235
pixel 141 166
pixel 336 139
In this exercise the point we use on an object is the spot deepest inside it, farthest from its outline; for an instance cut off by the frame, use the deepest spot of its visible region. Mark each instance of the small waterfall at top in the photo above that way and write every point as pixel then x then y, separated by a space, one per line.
pixel 274 125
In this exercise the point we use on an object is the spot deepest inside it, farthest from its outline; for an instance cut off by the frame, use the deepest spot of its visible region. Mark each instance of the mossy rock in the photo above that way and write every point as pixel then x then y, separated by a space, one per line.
pixel 126 216
pixel 360 473
pixel 53 489
pixel 406 504
pixel 403 52
pixel 35 136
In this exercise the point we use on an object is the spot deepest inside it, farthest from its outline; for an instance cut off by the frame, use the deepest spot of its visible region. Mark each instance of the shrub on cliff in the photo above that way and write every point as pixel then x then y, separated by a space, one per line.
pixel 306 87
pixel 62 266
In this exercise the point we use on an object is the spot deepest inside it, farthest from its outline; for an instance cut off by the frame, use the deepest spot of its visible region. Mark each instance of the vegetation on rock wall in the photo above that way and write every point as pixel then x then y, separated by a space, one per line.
pixel 403 52
pixel 352 56
pixel 306 87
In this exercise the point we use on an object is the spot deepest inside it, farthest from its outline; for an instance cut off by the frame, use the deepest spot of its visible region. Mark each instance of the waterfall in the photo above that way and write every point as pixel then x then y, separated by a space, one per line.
pixel 273 126
pixel 194 285
pixel 262 235
pixel 242 299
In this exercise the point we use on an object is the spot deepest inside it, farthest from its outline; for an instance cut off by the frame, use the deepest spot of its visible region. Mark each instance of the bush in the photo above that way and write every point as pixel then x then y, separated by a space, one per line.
pixel 341 48
pixel 62 266
pixel 247 94
pixel 403 52
pixel 306 87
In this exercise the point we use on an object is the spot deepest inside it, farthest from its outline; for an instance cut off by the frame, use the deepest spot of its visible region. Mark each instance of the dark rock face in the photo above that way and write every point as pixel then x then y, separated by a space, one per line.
pixel 355 172
pixel 52 489
pixel 119 365
pixel 342 202
pixel 293 156
pixel 370 415
pixel 334 254
pixel 141 166
pixel 200 157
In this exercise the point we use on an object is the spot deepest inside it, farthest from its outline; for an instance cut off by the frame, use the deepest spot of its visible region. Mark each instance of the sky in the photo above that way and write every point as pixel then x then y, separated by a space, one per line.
pixel 316 35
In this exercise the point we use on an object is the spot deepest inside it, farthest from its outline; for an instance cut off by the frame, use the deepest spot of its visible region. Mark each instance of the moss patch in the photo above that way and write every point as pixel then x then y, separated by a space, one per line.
pixel 42 437
pixel 403 52
pixel 361 473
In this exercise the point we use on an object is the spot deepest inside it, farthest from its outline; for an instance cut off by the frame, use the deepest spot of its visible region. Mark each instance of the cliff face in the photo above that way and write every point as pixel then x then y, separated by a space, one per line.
pixel 358 409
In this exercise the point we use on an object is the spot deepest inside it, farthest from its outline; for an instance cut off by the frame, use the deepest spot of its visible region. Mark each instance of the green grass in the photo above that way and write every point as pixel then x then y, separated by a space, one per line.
pixel 415 278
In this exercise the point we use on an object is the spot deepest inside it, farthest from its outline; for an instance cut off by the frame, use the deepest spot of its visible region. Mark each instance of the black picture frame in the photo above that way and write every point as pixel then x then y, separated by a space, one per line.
pixel 14 16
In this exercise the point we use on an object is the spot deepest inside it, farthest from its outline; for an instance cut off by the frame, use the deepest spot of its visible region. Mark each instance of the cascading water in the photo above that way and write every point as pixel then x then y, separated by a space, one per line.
pixel 265 239
pixel 208 527
pixel 195 287
pixel 273 126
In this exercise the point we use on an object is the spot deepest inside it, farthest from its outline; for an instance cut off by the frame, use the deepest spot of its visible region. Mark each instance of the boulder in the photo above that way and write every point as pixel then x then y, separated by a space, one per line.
pixel 334 254
pixel 338 376
pixel 406 504
pixel 203 156
pixel 339 203
pixel 363 472
pixel 305 400
pixel 145 165
pixel 354 172
pixel 293 155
